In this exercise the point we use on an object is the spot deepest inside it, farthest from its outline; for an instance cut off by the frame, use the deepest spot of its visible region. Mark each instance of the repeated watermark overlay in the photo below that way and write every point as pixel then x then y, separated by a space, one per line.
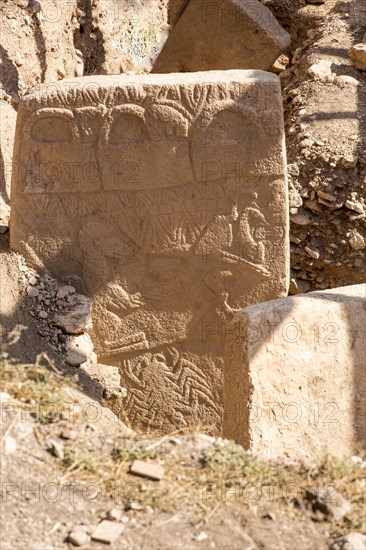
pixel 73 413
pixel 34 492
pixel 242 492
pixel 272 412
pixel 289 332
pixel 292 412
pixel 238 491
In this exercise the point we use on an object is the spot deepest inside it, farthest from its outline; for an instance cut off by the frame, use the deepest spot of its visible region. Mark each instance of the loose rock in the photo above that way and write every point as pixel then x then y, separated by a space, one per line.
pixel 32 292
pixel 320 69
pixel 78 320
pixel 356 206
pixel 358 56
pixel 147 469
pixel 107 531
pixel 78 538
pixel 352 541
pixel 312 253
pixel 356 241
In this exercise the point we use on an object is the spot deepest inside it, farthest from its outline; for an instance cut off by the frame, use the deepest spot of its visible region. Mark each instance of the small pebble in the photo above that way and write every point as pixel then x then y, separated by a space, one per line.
pixel 115 514
pixel 32 292
pixel 312 253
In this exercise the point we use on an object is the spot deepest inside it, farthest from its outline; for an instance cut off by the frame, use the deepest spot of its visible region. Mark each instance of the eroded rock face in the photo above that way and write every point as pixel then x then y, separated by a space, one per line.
pixel 225 34
pixel 163 198
pixel 295 375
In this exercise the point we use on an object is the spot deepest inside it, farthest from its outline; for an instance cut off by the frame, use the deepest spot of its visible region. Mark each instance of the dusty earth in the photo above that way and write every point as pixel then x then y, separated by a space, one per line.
pixel 213 494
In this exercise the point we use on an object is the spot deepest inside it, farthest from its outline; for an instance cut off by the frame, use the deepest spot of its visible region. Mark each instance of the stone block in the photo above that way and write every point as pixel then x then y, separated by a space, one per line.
pixel 164 199
pixel 108 531
pixel 222 34
pixel 294 382
pixel 147 469
pixel 358 56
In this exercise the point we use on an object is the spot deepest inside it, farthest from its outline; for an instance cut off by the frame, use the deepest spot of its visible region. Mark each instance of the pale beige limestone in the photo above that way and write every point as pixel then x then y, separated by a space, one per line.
pixel 164 199
pixel 222 34
pixel 132 33
pixel 294 382
pixel 358 56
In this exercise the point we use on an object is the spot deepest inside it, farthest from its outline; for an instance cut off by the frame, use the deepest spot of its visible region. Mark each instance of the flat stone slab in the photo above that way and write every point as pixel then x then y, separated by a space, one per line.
pixel 164 199
pixel 294 380
pixel 147 469
pixel 224 34
pixel 108 531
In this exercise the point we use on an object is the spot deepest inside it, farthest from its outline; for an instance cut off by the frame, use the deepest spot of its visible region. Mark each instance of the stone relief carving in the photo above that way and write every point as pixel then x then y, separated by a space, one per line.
pixel 161 200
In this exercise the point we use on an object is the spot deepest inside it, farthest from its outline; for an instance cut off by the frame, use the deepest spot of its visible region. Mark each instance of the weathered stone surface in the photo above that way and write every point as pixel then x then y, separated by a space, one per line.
pixel 147 469
pixel 294 380
pixel 352 541
pixel 78 320
pixel 358 56
pixel 79 349
pixel 78 538
pixel 133 34
pixel 108 531
pixel 225 34
pixel 320 69
pixel 164 199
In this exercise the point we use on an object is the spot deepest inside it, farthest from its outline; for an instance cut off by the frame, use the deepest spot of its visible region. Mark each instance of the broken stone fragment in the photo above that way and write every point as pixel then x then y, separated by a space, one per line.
pixel 357 241
pixel 297 286
pixel 352 541
pixel 300 219
pixel 358 56
pixel 107 531
pixel 312 253
pixel 346 79
pixel 32 292
pixel 230 34
pixel 147 469
pixel 356 206
pixel 295 199
pixel 78 537
pixel 79 349
pixel 326 196
pixel 65 291
pixel 280 64
pixel 75 358
pixel 320 69
pixel 78 320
